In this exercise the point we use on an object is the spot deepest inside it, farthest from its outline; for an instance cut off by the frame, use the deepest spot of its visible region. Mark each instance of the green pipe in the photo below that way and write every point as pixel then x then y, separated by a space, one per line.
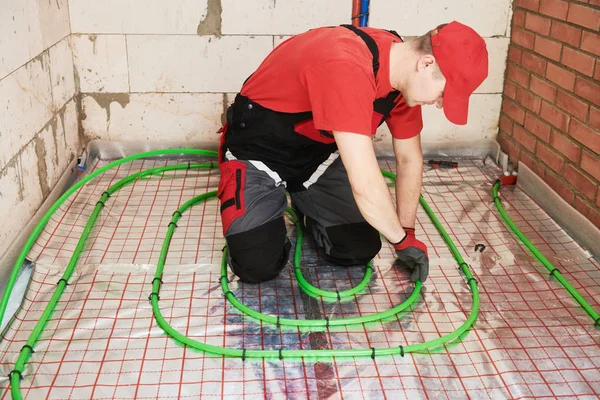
pixel 281 353
pixel 540 257
pixel 322 323
pixel 315 291
pixel 40 226
pixel 26 351
pixel 313 323
pixel 62 283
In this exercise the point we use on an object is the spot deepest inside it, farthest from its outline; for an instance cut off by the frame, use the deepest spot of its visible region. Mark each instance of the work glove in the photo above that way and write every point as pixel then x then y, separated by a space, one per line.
pixel 412 253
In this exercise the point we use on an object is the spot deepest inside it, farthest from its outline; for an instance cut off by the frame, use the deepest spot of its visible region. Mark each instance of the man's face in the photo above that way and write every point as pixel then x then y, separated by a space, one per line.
pixel 426 84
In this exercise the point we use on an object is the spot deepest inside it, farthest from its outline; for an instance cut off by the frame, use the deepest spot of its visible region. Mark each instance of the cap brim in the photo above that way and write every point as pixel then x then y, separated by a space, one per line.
pixel 456 107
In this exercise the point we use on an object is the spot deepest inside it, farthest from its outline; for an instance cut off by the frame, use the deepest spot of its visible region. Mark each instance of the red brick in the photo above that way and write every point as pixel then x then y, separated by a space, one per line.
pixel 526 139
pixel 514 54
pixel 542 88
pixel 590 213
pixel 523 38
pixel 532 5
pixel 537 167
pixel 578 61
pixel 518 75
pixel 590 42
pixel 554 8
pixel 506 125
pixel 590 163
pixel 510 89
pixel 588 90
pixel 566 33
pixel 597 73
pixel 537 24
pixel 598 196
pixel 511 109
pixel 584 16
pixel 537 127
pixel 595 2
pixel 565 146
pixel 581 182
pixel 585 135
pixel 572 105
pixel 509 147
pixel 595 117
pixel 560 187
pixel 547 47
pixel 528 100
pixel 550 158
pixel 560 76
pixel 519 18
pixel 533 63
pixel 555 117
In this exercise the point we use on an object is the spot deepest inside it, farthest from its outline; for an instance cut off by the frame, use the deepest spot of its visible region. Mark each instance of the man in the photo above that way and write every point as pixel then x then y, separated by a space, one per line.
pixel 303 122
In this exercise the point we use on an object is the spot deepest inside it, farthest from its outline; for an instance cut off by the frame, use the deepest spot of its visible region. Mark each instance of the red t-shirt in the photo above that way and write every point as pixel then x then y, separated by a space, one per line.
pixel 329 71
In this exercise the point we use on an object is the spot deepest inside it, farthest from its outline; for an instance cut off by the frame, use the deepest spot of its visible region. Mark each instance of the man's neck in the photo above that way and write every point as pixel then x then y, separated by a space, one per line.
pixel 401 61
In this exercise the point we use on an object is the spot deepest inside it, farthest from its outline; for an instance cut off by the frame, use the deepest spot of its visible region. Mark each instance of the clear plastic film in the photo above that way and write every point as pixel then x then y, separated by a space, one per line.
pixel 531 338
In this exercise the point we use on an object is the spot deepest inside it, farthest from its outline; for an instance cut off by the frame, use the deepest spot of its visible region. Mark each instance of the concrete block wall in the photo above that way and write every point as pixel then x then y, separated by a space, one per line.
pixel 38 114
pixel 550 116
pixel 168 70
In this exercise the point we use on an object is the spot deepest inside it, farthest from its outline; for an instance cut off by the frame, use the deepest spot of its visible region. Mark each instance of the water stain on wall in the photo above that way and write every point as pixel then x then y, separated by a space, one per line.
pixel 40 151
pixel 211 24
pixel 104 100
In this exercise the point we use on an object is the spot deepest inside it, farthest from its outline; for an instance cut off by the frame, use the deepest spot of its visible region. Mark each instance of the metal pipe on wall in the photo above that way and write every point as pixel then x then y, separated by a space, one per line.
pixel 364 12
pixel 356 5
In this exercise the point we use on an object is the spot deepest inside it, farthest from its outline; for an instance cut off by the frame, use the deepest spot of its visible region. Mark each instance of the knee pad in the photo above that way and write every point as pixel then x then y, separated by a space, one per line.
pixel 259 254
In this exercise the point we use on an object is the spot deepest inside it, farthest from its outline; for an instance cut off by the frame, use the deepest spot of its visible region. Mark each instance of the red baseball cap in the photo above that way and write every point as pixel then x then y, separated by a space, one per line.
pixel 463 59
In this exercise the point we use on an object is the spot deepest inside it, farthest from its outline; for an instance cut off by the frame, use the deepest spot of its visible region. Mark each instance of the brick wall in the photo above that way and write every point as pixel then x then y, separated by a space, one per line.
pixel 550 117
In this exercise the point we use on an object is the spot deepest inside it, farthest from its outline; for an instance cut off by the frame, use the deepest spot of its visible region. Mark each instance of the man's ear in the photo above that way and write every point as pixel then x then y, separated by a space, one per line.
pixel 425 61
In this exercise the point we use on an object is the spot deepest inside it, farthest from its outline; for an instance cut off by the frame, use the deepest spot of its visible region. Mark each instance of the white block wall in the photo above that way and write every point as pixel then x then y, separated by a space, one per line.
pixel 38 118
pixel 175 66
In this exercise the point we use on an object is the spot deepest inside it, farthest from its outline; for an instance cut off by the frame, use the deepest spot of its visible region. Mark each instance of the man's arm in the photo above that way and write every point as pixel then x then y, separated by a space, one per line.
pixel 409 171
pixel 368 185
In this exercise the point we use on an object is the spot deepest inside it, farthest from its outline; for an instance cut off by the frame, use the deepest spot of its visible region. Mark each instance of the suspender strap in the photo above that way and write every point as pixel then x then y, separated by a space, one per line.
pixel 394 33
pixel 370 44
pixel 384 105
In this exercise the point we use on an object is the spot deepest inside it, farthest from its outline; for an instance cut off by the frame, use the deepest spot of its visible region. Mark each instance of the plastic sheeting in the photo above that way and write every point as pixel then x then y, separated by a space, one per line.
pixel 531 338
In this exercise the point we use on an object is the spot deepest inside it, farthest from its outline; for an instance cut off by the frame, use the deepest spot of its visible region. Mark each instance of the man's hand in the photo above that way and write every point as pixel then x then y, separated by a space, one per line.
pixel 413 254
